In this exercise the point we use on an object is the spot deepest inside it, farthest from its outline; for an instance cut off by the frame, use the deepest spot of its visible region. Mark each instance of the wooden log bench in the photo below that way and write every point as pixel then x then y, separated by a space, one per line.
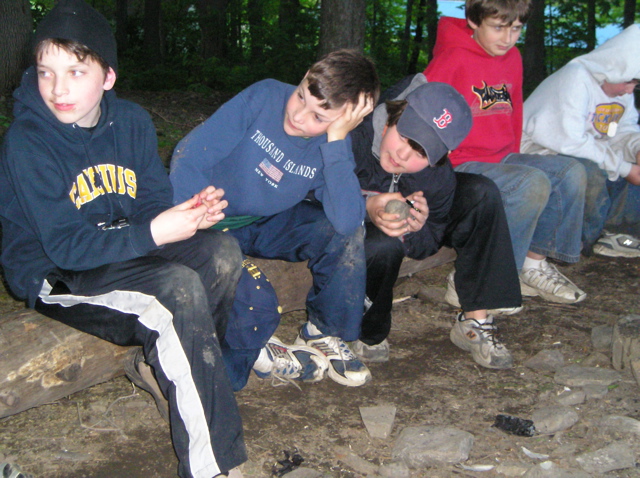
pixel 42 360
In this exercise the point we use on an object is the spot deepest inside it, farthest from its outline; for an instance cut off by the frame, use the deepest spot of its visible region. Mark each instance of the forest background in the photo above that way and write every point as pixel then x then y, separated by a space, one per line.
pixel 225 45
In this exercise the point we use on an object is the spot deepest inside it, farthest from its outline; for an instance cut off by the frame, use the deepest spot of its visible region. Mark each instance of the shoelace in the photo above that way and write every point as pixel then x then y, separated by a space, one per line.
pixel 549 278
pixel 335 346
pixel 283 367
pixel 487 330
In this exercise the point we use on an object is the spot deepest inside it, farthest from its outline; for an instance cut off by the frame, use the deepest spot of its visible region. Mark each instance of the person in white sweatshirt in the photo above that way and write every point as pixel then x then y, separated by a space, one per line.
pixel 586 109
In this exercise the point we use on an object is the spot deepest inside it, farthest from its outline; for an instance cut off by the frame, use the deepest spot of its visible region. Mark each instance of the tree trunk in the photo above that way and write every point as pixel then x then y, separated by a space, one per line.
pixel 342 25
pixel 15 32
pixel 417 44
pixel 432 26
pixel 591 24
pixel 122 20
pixel 406 36
pixel 629 15
pixel 255 14
pixel 44 360
pixel 213 27
pixel 533 56
pixel 152 42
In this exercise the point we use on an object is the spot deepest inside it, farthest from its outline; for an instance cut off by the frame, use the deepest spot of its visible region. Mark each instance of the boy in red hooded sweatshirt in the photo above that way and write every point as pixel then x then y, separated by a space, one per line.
pixel 543 195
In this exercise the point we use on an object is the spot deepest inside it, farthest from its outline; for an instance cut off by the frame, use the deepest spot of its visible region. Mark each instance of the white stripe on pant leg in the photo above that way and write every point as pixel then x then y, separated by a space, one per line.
pixel 173 360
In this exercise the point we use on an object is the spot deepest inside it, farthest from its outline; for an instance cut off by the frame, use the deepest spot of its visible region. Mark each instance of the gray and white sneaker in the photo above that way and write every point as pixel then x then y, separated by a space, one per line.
pixel 617 245
pixel 550 284
pixel 479 339
pixel 451 298
pixel 371 353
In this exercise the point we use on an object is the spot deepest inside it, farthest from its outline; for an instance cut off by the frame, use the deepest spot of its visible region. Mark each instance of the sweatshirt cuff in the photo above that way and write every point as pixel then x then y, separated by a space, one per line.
pixel 141 239
pixel 336 152
pixel 624 169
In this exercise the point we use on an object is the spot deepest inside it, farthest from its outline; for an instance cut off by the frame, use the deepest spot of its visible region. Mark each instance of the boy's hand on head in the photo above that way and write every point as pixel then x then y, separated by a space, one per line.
pixel 634 175
pixel 350 118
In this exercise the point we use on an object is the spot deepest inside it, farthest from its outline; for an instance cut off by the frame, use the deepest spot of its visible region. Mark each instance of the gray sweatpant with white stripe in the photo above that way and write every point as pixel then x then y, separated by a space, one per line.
pixel 174 302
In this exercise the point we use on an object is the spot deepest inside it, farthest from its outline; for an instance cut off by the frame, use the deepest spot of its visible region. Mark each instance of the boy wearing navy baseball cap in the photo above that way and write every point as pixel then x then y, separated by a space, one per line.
pixel 90 236
pixel 401 151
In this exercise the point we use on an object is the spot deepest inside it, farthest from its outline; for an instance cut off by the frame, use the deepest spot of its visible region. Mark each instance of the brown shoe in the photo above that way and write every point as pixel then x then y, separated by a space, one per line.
pixel 142 375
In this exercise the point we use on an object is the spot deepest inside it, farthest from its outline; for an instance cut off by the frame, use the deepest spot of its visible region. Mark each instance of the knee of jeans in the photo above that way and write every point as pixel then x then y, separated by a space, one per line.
pixel 536 189
pixel 576 179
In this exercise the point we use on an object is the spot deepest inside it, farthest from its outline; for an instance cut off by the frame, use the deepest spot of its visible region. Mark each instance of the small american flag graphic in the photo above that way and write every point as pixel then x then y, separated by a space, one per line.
pixel 273 172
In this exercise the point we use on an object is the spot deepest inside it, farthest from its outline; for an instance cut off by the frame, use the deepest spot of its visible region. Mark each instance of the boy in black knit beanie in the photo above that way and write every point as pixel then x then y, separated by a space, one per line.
pixel 91 238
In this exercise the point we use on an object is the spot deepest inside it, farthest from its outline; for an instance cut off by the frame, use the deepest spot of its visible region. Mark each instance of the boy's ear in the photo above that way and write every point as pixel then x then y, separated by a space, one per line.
pixel 472 25
pixel 109 80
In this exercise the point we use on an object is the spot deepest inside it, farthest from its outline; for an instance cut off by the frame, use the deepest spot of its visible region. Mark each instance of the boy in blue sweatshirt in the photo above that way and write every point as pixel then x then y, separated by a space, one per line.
pixel 91 237
pixel 283 156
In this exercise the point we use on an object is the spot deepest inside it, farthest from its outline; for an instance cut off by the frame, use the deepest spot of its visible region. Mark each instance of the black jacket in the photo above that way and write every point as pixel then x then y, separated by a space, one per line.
pixel 437 183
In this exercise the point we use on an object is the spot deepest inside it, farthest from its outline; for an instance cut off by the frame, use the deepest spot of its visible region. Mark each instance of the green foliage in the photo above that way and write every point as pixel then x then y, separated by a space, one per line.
pixel 279 39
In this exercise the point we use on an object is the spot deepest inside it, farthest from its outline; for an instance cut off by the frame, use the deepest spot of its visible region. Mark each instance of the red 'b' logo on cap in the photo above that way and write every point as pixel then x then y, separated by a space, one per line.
pixel 444 119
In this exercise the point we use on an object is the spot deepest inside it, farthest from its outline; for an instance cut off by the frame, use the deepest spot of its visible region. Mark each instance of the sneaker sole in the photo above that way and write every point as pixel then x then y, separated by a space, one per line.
pixel 603 250
pixel 479 359
pixel 336 377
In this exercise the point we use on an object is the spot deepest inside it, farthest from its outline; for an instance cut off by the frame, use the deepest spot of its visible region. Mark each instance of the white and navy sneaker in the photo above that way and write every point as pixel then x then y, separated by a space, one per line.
pixel 344 366
pixel 286 363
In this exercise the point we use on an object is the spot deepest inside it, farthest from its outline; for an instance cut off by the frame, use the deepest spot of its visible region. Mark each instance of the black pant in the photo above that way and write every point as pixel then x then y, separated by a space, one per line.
pixel 174 302
pixel 486 275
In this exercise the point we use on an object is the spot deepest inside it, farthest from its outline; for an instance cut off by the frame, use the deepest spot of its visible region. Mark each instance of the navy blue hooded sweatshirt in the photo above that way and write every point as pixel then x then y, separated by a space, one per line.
pixel 58 181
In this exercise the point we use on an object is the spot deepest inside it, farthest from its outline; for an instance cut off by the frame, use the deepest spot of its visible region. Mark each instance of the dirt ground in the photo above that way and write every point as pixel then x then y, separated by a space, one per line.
pixel 112 430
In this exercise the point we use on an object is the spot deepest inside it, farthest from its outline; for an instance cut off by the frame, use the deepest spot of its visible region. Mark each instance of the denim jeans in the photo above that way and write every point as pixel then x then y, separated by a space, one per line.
pixel 543 198
pixel 611 204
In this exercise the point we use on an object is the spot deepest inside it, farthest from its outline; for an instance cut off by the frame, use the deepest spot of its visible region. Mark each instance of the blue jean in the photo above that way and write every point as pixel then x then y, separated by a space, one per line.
pixel 337 264
pixel 611 204
pixel 543 198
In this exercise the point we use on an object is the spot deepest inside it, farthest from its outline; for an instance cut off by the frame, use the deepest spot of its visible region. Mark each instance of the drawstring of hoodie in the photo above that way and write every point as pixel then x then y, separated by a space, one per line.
pixel 97 176
pixel 393 187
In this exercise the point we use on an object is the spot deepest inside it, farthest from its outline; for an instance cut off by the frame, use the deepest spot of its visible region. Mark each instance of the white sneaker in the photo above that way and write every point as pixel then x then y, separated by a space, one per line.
pixel 617 245
pixel 550 284
pixel 451 298
pixel 371 353
pixel 478 338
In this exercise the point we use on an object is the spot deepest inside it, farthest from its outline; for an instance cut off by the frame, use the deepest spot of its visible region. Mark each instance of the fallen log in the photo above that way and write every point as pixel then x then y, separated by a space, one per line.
pixel 42 360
